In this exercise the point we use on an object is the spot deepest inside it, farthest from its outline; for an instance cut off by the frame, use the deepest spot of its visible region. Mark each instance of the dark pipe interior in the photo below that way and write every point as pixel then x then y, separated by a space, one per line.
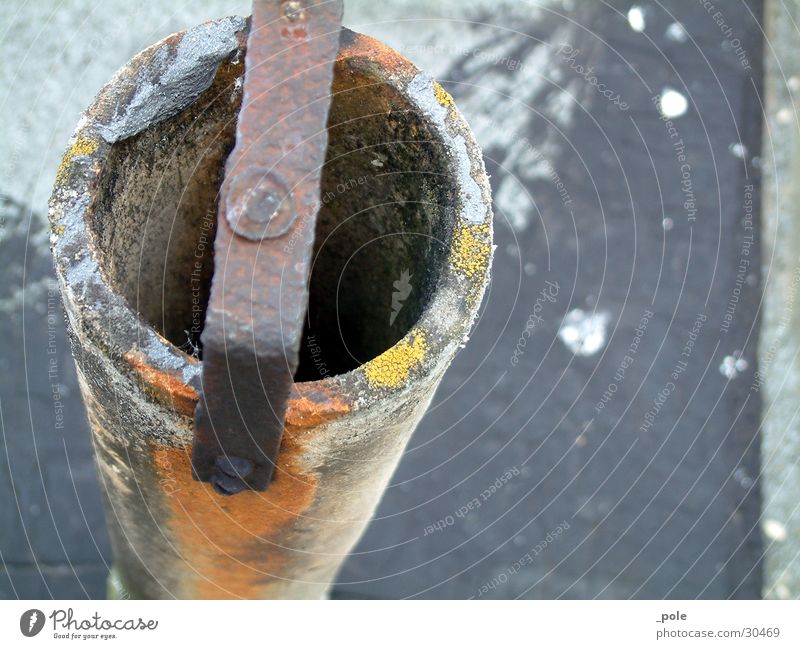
pixel 381 231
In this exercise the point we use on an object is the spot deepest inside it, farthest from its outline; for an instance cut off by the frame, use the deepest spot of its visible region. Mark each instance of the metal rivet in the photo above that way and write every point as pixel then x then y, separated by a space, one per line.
pixel 259 205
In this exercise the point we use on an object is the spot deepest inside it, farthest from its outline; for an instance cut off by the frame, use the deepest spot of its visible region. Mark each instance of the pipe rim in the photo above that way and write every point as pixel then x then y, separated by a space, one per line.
pixel 425 350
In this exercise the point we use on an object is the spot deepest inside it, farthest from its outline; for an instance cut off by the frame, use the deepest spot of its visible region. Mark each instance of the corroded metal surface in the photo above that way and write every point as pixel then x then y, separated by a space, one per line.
pixel 254 321
pixel 173 536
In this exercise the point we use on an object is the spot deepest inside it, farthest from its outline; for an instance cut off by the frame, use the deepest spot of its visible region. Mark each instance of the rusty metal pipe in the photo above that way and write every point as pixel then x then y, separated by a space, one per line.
pixel 402 255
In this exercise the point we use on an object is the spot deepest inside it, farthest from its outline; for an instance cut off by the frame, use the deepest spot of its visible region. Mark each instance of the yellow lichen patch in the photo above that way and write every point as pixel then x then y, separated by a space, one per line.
pixel 80 147
pixel 471 249
pixel 391 369
pixel 442 96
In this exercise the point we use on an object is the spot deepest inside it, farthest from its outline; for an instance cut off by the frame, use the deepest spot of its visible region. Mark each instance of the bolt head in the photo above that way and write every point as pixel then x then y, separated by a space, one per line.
pixel 259 205
pixel 226 485
pixel 234 467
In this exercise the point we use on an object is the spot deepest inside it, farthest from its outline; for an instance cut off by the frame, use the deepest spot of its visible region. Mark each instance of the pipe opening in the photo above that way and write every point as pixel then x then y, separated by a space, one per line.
pixel 382 233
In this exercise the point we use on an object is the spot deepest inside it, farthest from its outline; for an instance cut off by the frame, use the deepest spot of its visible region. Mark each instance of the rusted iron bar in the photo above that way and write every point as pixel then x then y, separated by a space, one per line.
pixel 259 291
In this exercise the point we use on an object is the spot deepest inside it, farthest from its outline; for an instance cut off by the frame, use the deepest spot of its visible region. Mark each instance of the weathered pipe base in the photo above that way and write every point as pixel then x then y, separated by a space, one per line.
pixel 403 248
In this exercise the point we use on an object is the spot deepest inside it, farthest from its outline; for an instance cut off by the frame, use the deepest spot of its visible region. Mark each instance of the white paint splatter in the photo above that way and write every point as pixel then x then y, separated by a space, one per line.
pixel 536 80
pixel 636 18
pixel 560 105
pixel 774 530
pixel 744 480
pixel 513 203
pixel 738 149
pixel 732 365
pixel 667 224
pixel 584 333
pixel 676 32
pixel 673 103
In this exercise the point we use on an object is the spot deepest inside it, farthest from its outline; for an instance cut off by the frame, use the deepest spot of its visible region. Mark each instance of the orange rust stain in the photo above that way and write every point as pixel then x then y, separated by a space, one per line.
pixel 365 47
pixel 166 388
pixel 235 545
pixel 311 405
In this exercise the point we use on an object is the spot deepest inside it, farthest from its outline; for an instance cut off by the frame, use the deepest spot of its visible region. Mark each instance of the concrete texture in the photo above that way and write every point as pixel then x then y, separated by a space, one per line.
pixel 560 457
pixel 56 58
pixel 650 490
